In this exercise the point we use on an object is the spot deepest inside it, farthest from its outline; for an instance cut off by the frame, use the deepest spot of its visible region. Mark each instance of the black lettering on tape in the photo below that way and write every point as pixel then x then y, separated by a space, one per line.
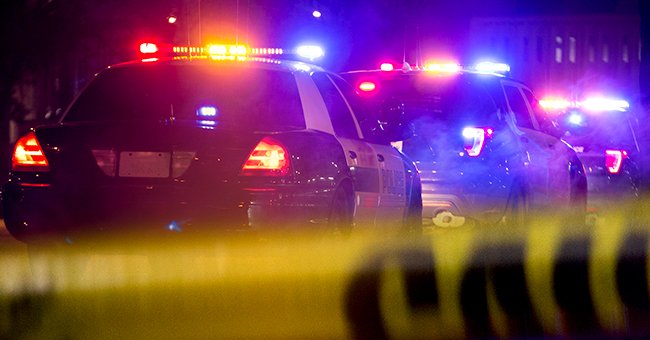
pixel 508 275
pixel 474 304
pixel 632 281
pixel 571 286
pixel 362 300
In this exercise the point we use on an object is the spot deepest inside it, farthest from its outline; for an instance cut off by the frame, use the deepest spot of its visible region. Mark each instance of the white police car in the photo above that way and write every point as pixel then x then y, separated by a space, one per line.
pixel 208 142
pixel 482 155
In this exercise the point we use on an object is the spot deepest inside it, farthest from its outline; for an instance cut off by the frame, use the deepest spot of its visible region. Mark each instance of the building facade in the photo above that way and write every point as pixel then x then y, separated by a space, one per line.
pixel 570 56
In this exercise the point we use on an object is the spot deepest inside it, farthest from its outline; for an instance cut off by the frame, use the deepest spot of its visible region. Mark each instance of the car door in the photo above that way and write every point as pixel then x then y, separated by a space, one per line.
pixel 536 155
pixel 544 155
pixel 391 169
pixel 360 156
pixel 559 181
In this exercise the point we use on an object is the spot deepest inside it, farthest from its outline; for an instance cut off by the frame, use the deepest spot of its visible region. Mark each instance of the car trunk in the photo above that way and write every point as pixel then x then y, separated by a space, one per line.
pixel 135 171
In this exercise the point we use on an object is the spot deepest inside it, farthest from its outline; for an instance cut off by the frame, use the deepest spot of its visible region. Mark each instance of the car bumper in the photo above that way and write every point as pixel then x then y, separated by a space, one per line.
pixel 449 201
pixel 33 212
pixel 607 191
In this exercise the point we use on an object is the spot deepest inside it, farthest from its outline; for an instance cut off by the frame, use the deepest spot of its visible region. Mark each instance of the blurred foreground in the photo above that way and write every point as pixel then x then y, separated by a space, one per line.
pixel 544 279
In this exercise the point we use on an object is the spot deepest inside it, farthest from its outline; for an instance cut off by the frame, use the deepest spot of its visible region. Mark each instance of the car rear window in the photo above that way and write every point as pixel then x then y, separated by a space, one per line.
pixel 447 99
pixel 606 129
pixel 230 97
pixel 438 108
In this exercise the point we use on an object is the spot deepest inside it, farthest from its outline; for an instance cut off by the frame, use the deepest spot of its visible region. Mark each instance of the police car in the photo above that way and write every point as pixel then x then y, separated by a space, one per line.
pixel 482 155
pixel 209 140
pixel 603 130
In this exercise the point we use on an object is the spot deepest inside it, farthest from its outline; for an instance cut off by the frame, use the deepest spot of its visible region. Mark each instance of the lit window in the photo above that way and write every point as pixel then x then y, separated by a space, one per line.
pixel 558 49
pixel 572 49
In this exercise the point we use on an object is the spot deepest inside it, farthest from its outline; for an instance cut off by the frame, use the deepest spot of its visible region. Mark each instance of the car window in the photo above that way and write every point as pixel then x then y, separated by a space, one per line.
pixel 443 107
pixel 534 103
pixel 452 100
pixel 367 121
pixel 538 112
pixel 518 106
pixel 255 99
pixel 607 129
pixel 339 112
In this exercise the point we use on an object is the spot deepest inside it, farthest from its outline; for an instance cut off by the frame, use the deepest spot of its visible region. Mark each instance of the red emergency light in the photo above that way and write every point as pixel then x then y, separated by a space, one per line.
pixel 148 48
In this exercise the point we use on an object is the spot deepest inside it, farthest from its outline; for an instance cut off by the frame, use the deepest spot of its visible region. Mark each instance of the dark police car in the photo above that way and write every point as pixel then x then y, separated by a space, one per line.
pixel 187 144
pixel 603 131
pixel 481 153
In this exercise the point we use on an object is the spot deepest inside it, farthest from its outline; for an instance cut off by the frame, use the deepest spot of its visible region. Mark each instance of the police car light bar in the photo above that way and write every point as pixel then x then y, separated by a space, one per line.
pixel 261 51
pixel 387 67
pixel 310 52
pixel 367 86
pixel 555 104
pixel 598 104
pixel 227 51
pixel 485 67
pixel 148 48
pixel 492 67
pixel 443 67
pixel 592 104
pixel 223 51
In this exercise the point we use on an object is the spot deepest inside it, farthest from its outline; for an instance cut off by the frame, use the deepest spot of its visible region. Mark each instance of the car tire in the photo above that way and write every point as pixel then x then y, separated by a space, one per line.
pixel 413 217
pixel 340 220
pixel 578 202
pixel 517 209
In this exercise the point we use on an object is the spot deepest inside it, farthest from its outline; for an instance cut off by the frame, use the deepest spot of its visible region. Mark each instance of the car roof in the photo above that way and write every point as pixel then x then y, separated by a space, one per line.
pixel 253 62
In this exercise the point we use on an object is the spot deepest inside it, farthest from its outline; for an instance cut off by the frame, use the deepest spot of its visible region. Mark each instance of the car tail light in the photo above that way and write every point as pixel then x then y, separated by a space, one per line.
pixel 268 158
pixel 28 155
pixel 475 138
pixel 387 67
pixel 614 160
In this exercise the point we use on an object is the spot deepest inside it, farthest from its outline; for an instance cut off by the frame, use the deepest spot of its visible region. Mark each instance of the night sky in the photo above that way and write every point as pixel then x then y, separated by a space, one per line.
pixel 73 39
pixel 359 34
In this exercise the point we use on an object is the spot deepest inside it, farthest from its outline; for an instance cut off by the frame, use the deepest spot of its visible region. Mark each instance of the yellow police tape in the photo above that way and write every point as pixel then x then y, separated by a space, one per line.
pixel 547 278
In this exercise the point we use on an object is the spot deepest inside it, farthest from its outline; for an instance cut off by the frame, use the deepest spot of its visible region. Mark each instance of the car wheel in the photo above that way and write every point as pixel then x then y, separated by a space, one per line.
pixel 578 202
pixel 341 212
pixel 517 208
pixel 413 218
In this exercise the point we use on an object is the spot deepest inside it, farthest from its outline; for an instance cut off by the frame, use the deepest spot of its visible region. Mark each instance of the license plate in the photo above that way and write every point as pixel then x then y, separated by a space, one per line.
pixel 144 164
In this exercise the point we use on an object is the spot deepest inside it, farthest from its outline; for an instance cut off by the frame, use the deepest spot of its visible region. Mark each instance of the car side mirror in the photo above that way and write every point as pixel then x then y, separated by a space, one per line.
pixel 393 122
